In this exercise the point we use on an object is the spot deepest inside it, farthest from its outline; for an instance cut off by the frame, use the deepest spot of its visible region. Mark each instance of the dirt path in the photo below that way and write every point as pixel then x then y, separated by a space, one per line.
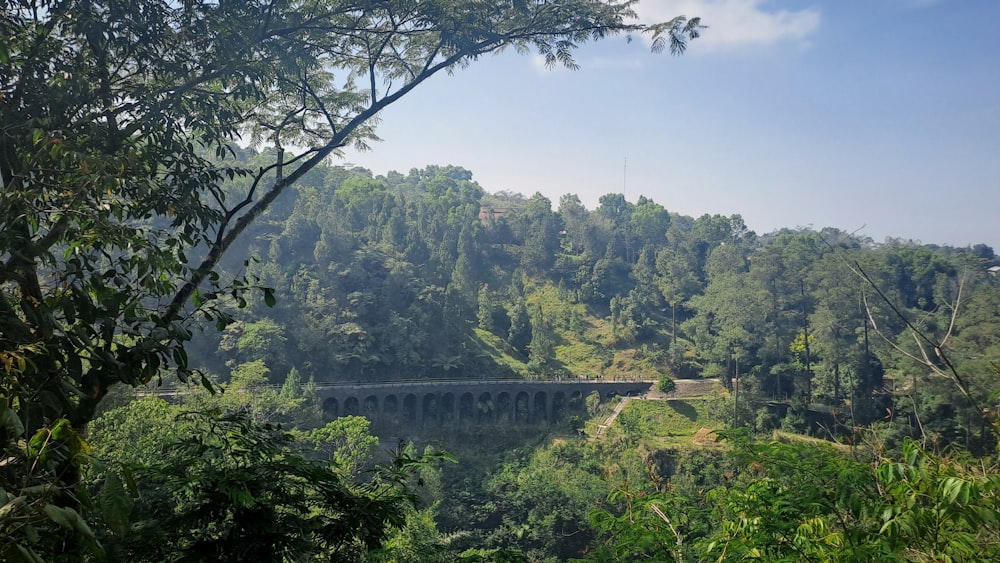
pixel 611 419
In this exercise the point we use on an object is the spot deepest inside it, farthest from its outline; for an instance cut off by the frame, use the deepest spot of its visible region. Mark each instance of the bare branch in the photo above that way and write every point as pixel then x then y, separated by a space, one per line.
pixel 921 339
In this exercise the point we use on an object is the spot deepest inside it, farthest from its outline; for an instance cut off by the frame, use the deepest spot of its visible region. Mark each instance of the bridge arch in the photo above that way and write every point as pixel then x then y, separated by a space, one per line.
pixel 331 408
pixel 370 407
pixel 540 408
pixel 409 415
pixel 522 408
pixel 390 409
pixel 466 408
pixel 430 409
pixel 448 414
pixel 467 402
pixel 485 409
pixel 559 406
pixel 505 408
pixel 352 407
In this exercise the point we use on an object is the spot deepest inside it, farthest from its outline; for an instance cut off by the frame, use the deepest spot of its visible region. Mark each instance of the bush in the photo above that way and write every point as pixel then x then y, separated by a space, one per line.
pixel 666 385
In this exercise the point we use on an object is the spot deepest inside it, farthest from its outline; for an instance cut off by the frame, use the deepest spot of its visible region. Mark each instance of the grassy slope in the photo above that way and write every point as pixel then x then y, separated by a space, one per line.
pixel 585 343
pixel 673 423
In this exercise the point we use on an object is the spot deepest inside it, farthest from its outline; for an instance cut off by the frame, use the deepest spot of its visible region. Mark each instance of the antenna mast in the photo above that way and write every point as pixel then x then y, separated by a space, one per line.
pixel 625 178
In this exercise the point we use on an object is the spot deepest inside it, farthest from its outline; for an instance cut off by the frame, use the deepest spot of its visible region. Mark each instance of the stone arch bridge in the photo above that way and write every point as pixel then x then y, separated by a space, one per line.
pixel 466 402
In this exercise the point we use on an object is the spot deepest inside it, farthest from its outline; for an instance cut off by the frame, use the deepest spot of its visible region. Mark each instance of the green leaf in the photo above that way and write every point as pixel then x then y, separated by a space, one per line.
pixel 38 443
pixel 40 490
pixel 116 505
pixel 269 299
pixel 207 384
pixel 69 311
pixel 60 515
pixel 10 423
pixel 180 358
pixel 27 554
pixel 77 523
pixel 13 505
pixel 31 533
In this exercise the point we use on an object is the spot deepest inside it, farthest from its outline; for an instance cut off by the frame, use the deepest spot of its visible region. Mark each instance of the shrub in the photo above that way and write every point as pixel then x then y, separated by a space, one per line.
pixel 666 385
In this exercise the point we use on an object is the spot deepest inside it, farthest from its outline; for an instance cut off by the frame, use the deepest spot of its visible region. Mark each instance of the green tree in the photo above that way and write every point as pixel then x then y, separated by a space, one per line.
pixel 541 350
pixel 593 402
pixel 490 315
pixel 730 313
pixel 811 502
pixel 616 212
pixel 842 363
pixel 545 500
pixel 347 442
pixel 249 392
pixel 418 540
pixel 677 280
pixel 260 340
pixel 649 223
pixel 519 334
pixel 236 490
pixel 575 220
pixel 145 425
pixel 537 229
pixel 291 389
pixel 300 401
pixel 116 134
pixel 666 385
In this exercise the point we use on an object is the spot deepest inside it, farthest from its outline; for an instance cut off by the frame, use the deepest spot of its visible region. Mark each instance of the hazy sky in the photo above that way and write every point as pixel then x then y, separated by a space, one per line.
pixel 881 116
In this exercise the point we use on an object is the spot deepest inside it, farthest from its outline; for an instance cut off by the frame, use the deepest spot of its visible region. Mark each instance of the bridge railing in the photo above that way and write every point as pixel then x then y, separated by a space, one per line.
pixel 363 384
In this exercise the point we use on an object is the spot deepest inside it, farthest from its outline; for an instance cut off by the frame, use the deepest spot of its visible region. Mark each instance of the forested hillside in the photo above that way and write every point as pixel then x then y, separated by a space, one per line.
pixel 426 275
pixel 181 268
pixel 121 190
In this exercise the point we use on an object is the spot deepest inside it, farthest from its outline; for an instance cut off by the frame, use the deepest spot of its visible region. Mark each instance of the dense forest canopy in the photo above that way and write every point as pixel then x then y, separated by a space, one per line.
pixel 118 127
pixel 427 275
pixel 142 243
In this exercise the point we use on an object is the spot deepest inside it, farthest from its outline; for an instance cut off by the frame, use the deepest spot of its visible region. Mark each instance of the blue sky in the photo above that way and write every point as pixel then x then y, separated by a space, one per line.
pixel 875 116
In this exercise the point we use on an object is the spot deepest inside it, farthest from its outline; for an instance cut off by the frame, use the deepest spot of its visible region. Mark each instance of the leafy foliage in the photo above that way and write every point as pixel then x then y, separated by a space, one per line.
pixel 809 502
pixel 666 385
pixel 121 188
pixel 237 490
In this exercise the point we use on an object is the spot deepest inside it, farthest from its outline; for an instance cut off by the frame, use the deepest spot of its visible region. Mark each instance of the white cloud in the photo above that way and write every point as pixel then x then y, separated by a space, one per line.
pixel 538 62
pixel 736 23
